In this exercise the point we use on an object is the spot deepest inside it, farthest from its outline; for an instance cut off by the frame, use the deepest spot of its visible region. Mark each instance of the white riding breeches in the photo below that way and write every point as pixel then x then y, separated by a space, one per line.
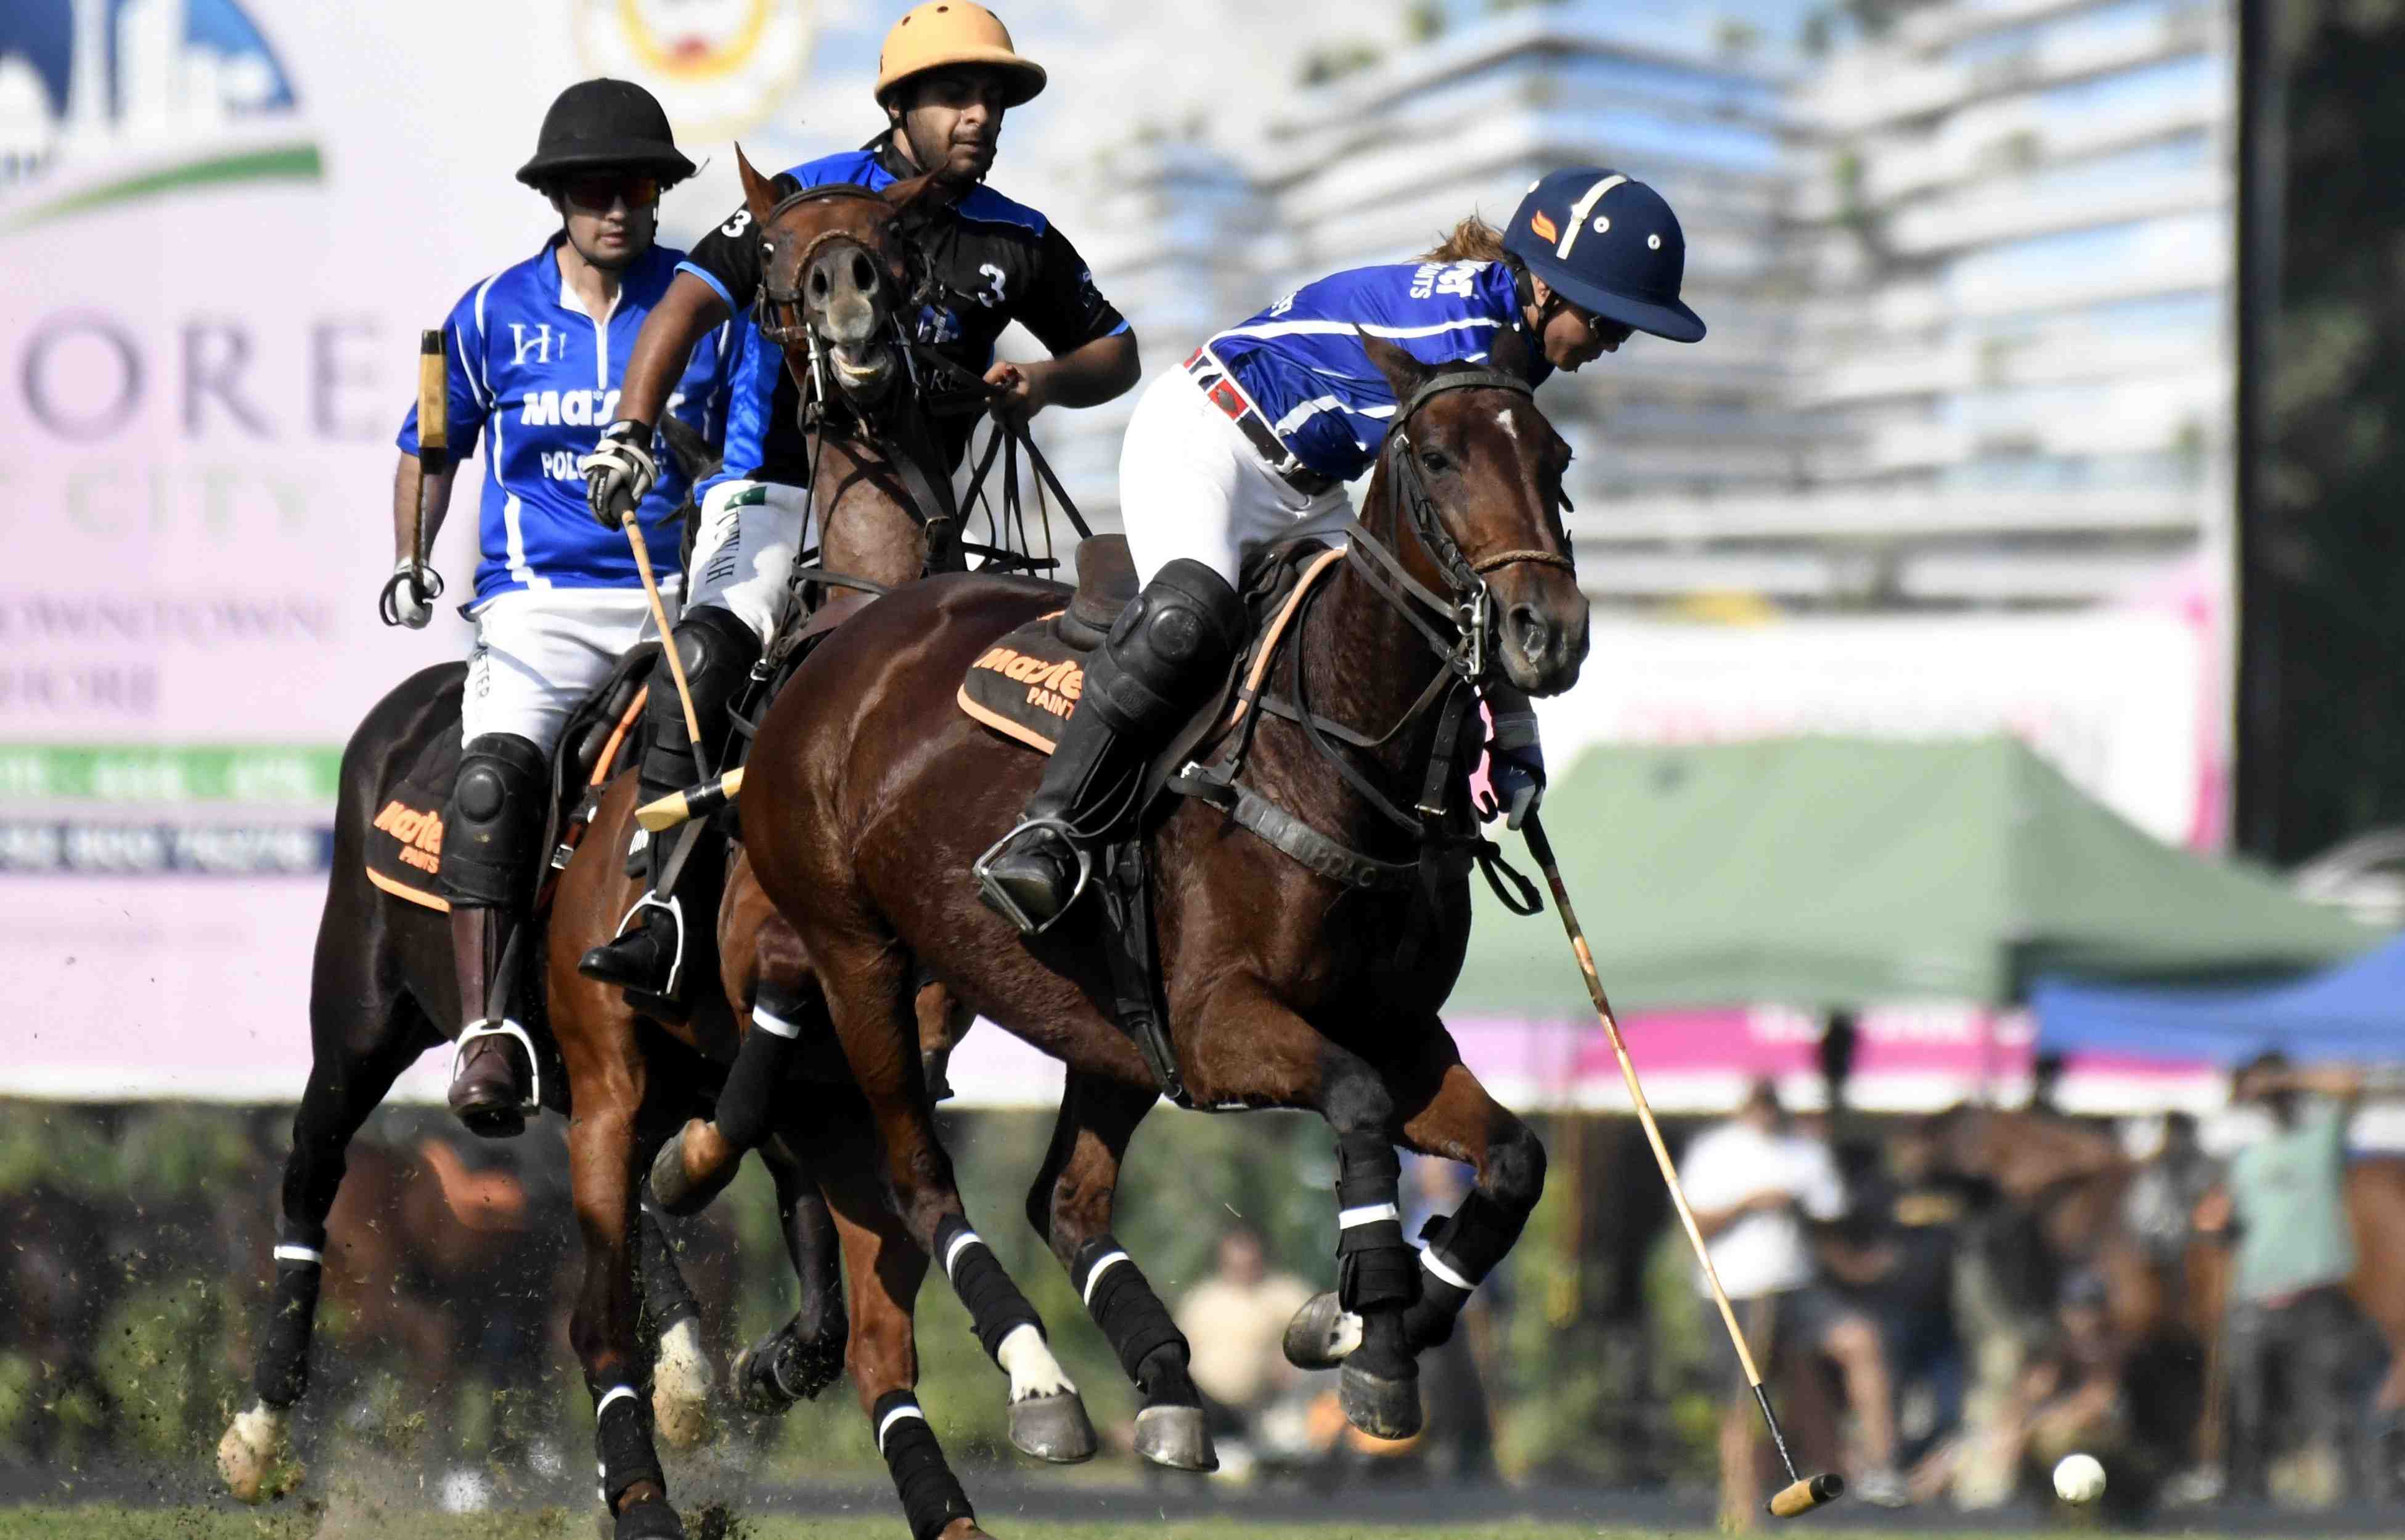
pixel 743 558
pixel 1191 484
pixel 541 652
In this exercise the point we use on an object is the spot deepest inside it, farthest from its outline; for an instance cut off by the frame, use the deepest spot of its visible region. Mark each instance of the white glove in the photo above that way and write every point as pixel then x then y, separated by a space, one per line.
pixel 410 594
pixel 620 471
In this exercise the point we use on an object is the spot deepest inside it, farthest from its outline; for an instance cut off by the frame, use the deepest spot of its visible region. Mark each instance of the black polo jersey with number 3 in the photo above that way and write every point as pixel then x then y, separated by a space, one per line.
pixel 996 261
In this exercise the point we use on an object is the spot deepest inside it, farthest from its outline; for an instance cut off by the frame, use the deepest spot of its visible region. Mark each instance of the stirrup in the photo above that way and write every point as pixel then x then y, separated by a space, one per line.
pixel 676 914
pixel 476 1031
pixel 1002 901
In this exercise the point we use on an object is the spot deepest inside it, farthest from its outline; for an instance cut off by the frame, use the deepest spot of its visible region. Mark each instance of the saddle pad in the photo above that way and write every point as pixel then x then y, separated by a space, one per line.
pixel 405 841
pixel 1025 685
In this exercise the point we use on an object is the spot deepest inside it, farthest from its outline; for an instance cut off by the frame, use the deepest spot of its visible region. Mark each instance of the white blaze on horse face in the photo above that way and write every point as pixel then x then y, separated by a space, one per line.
pixel 1032 1369
pixel 1503 417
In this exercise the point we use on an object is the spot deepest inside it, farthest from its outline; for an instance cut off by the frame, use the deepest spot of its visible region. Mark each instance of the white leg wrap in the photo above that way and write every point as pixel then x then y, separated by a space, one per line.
pixel 681 1386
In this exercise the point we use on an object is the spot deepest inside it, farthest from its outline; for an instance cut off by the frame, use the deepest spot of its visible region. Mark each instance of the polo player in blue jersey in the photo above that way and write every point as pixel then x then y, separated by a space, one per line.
pixel 1253 442
pixel 536 355
pixel 945 77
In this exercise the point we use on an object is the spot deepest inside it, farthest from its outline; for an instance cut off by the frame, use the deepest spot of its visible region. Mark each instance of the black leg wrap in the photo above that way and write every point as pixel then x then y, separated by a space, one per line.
pixel 1375 1269
pixel 932 1498
pixel 995 1305
pixel 667 1297
pixel 1467 1245
pixel 650 1519
pixel 749 1098
pixel 283 1372
pixel 622 1441
pixel 1133 1318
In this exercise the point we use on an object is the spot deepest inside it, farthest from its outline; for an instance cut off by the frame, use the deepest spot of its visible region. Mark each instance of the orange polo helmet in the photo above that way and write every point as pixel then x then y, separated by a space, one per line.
pixel 943 32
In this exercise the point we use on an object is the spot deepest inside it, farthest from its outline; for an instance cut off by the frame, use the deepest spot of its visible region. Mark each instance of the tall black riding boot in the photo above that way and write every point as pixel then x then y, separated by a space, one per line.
pixel 1165 654
pixel 491 834
pixel 718 651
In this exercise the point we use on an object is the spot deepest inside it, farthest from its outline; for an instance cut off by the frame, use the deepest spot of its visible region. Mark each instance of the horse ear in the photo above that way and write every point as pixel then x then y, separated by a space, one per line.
pixel 1510 352
pixel 1404 373
pixel 929 188
pixel 759 193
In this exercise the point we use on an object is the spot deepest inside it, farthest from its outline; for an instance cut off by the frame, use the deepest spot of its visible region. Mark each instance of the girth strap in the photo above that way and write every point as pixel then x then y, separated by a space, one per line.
pixel 1299 840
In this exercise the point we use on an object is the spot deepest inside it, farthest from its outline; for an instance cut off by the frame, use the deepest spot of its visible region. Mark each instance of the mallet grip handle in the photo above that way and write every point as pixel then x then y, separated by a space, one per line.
pixel 433 396
pixel 1804 1496
pixel 685 807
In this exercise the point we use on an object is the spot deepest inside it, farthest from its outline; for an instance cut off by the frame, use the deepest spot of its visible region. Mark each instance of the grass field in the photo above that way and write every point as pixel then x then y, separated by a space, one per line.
pixel 102 1522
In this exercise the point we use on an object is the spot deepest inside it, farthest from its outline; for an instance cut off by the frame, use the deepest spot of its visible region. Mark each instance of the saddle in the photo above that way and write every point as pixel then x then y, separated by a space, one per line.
pixel 404 847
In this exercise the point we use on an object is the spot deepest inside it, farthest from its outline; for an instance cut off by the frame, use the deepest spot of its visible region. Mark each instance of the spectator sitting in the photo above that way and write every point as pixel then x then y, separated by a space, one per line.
pixel 1234 1322
pixel 2069 1396
pixel 1752 1182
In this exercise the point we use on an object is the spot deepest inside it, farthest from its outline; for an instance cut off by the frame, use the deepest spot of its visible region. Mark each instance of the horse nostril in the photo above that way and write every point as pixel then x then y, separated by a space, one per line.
pixel 818 282
pixel 864 274
pixel 1528 629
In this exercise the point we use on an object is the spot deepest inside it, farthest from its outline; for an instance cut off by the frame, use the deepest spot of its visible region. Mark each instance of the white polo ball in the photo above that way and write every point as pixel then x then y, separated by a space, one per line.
pixel 2079 1479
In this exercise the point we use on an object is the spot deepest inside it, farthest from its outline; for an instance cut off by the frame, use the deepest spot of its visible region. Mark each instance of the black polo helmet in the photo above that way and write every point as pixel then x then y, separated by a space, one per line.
pixel 605 125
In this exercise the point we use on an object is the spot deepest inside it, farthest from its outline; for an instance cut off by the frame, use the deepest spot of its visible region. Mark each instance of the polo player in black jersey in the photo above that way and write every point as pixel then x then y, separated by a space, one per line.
pixel 947 76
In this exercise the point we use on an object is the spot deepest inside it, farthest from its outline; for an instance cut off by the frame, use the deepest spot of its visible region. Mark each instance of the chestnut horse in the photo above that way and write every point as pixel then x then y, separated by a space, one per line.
pixel 623 1069
pixel 870 793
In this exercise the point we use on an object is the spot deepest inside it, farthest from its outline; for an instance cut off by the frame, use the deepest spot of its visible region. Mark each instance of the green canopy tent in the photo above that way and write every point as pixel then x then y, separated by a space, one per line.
pixel 1838 873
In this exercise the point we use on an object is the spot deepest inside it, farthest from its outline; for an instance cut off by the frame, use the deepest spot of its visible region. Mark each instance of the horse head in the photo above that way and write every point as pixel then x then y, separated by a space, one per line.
pixel 1474 471
pixel 838 278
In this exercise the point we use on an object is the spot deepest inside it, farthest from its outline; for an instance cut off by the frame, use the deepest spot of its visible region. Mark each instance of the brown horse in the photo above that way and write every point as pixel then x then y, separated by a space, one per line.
pixel 629 1076
pixel 870 794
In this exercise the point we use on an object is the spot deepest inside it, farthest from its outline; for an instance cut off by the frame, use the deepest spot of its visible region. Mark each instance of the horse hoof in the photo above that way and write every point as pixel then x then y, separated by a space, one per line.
pixel 252 1456
pixel 681 1386
pixel 1322 1334
pixel 692 1168
pixel 963 1529
pixel 651 1518
pixel 783 1369
pixel 1380 1408
pixel 1176 1437
pixel 1053 1427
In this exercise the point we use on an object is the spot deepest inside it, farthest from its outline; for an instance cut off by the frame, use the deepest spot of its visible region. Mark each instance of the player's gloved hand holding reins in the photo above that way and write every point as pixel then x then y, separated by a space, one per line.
pixel 620 471
pixel 1516 766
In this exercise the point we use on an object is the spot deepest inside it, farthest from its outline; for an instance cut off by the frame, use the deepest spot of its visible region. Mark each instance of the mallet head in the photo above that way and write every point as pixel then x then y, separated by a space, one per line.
pixel 1802 1497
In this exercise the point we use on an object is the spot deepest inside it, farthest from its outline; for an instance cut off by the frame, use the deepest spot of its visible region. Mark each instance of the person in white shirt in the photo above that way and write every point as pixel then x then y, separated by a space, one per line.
pixel 1755 1183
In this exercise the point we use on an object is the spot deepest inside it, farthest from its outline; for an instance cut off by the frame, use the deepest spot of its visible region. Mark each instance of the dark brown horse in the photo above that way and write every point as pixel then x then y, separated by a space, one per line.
pixel 870 793
pixel 631 1078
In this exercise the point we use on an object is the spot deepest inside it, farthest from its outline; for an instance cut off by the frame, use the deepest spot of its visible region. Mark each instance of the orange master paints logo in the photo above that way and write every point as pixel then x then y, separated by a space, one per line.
pixel 420 833
pixel 1052 685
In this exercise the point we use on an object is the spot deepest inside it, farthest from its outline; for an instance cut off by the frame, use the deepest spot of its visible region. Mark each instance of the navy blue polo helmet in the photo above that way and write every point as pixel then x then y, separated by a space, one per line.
pixel 1609 245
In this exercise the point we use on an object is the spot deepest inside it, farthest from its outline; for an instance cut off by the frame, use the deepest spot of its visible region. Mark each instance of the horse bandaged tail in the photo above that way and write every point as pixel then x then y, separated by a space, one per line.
pixel 1375 1267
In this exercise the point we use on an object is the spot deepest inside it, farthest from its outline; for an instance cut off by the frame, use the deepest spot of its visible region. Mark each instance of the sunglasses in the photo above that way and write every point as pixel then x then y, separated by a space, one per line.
pixel 1601 330
pixel 597 192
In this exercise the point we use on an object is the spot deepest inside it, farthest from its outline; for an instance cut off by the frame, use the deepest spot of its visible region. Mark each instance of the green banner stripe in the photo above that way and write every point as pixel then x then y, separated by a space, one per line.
pixel 243 773
pixel 283 162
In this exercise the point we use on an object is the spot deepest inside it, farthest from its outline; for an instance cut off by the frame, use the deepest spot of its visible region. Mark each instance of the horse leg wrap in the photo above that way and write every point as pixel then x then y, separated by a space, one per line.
pixel 760 1067
pixel 995 1305
pixel 1376 1268
pixel 1133 1318
pixel 282 1373
pixel 1461 1251
pixel 932 1498
pixel 667 1297
pixel 622 1440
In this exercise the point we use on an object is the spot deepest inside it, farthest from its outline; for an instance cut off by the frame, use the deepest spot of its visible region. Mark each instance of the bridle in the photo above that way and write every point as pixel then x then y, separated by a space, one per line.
pixel 1469 610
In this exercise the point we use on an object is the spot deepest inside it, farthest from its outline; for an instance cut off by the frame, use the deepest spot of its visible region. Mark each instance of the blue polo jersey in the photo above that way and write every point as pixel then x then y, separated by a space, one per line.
pixel 536 380
pixel 1303 364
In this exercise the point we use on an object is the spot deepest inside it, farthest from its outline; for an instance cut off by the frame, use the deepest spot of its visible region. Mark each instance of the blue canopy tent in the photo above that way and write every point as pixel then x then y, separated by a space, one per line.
pixel 2353 1012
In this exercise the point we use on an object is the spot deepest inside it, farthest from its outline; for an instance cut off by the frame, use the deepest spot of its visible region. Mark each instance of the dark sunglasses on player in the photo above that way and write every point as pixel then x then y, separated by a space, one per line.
pixel 1601 330
pixel 597 192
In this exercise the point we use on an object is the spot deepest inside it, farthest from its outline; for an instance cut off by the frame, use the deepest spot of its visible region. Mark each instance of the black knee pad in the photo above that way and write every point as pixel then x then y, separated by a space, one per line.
pixel 493 827
pixel 718 651
pixel 1166 648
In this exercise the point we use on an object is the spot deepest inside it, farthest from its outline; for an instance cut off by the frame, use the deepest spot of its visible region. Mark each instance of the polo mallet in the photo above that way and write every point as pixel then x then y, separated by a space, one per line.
pixel 1800 1495
pixel 628 522
pixel 694 802
pixel 433 458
